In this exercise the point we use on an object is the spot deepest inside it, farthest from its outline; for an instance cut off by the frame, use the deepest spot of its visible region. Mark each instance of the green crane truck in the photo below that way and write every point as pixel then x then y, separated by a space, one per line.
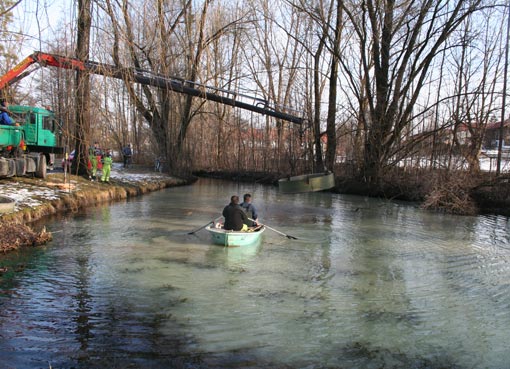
pixel 29 146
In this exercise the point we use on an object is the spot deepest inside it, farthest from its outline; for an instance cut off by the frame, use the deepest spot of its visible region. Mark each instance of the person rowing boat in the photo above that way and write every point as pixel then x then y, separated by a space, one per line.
pixel 235 218
pixel 250 210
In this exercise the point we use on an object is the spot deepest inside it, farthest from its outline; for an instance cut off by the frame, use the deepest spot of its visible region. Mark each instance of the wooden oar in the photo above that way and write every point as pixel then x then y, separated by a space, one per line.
pixel 277 231
pixel 205 225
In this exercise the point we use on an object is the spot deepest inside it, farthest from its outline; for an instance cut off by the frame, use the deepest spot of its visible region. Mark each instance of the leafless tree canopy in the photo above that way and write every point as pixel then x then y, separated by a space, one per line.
pixel 381 84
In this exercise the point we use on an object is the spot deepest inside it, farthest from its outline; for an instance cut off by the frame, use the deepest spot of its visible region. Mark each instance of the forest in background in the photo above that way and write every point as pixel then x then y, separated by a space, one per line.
pixel 402 94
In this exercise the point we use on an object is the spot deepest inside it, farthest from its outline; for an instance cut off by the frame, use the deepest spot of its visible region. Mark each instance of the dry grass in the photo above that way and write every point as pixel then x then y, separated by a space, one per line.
pixel 451 195
pixel 15 235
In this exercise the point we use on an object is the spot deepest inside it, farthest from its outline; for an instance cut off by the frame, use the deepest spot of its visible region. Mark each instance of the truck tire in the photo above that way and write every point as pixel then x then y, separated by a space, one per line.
pixel 4 167
pixel 12 168
pixel 21 167
pixel 41 167
pixel 31 164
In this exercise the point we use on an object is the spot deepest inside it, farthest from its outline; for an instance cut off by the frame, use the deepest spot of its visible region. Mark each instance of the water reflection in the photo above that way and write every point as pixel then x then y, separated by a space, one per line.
pixel 368 283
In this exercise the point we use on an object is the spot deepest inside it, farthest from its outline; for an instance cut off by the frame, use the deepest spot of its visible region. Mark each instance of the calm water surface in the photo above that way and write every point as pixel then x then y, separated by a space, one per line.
pixel 368 284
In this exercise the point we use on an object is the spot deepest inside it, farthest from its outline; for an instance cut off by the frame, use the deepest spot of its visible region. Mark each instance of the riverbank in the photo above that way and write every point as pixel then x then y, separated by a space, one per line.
pixel 36 198
pixel 457 193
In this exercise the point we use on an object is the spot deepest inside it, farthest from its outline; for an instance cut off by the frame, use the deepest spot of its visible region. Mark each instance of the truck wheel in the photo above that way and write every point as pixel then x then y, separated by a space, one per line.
pixel 4 168
pixel 12 168
pixel 21 167
pixel 41 167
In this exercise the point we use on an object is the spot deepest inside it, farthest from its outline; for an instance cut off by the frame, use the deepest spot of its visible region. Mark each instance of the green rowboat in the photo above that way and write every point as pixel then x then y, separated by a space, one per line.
pixel 235 238
pixel 307 183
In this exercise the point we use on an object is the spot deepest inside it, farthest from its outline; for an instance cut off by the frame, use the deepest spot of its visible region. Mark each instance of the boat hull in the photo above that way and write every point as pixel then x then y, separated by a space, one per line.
pixel 222 237
pixel 307 183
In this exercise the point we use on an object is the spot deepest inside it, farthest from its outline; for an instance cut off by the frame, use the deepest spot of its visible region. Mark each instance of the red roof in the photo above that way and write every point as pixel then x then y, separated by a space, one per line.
pixel 496 125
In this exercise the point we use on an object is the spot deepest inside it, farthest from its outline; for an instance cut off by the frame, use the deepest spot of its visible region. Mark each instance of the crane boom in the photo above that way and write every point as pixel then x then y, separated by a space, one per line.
pixel 152 79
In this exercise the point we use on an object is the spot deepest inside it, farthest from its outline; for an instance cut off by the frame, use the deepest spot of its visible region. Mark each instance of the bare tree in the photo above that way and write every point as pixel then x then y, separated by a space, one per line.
pixel 475 96
pixel 147 51
pixel 194 63
pixel 398 43
pixel 273 57
pixel 177 46
pixel 82 84
pixel 9 42
pixel 333 89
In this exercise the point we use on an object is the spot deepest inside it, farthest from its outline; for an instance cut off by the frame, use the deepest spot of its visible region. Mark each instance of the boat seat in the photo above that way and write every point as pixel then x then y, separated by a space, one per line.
pixel 255 229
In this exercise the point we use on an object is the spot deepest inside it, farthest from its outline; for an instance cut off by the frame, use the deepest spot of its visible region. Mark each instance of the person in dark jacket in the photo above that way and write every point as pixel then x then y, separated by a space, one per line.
pixel 235 218
pixel 128 153
pixel 250 210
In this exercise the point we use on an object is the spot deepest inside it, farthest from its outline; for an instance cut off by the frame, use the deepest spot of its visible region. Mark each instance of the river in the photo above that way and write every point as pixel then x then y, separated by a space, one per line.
pixel 368 283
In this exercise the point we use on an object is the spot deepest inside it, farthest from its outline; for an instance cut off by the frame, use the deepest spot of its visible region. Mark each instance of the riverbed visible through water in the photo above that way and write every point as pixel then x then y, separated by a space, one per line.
pixel 368 283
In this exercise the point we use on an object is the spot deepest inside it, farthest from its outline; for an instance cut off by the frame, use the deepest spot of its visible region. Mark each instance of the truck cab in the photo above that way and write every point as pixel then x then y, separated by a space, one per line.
pixel 31 142
pixel 40 127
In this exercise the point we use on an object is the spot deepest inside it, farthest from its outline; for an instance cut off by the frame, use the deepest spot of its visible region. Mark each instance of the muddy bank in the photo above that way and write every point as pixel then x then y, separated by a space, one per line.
pixel 459 194
pixel 493 197
pixel 37 198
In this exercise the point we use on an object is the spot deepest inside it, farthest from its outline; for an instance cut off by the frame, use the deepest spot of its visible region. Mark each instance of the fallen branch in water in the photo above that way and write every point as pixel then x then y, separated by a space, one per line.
pixel 452 195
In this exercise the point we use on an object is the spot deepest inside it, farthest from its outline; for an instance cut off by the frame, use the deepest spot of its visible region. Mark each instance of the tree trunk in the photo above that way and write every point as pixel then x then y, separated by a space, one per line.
pixel 317 83
pixel 82 84
pixel 333 81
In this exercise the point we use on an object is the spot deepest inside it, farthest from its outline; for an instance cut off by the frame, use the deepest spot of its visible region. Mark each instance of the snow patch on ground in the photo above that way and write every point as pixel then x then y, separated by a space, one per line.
pixel 28 195
pixel 119 173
